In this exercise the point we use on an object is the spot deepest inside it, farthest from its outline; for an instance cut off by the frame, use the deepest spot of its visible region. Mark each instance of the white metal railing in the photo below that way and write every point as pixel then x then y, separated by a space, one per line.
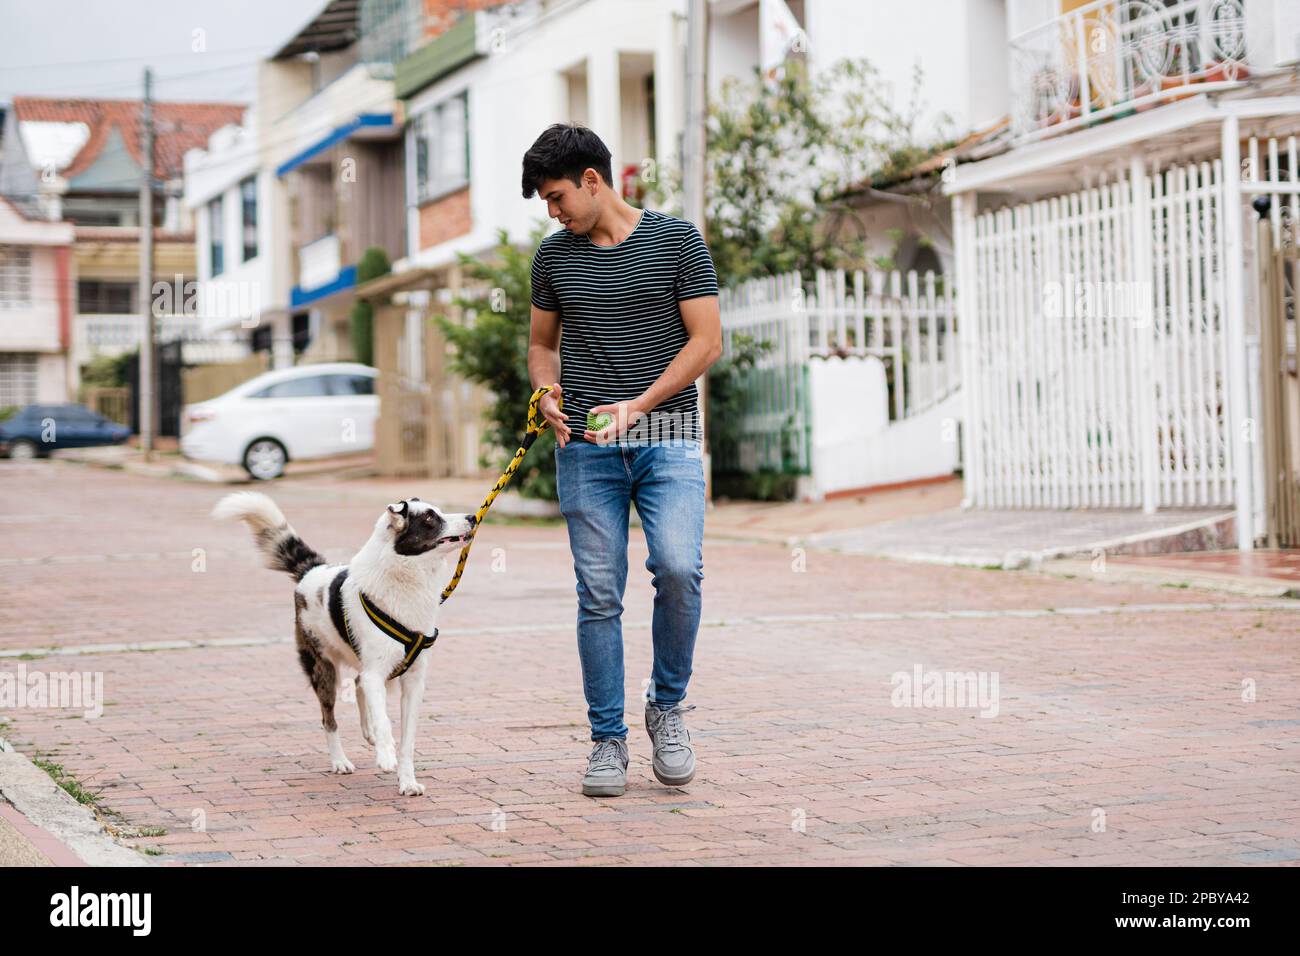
pixel 117 334
pixel 904 319
pixel 1112 57
pixel 124 331
pixel 1098 365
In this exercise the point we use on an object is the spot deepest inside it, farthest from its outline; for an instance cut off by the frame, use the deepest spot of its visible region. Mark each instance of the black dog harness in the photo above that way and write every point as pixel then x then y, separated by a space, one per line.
pixel 414 641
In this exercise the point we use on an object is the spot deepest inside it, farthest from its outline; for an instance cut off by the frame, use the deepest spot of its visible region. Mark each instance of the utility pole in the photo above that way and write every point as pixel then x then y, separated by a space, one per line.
pixel 697 32
pixel 147 424
pixel 693 175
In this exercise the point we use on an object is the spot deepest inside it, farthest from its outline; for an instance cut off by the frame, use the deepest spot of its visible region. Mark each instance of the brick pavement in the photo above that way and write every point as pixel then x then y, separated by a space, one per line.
pixel 1121 734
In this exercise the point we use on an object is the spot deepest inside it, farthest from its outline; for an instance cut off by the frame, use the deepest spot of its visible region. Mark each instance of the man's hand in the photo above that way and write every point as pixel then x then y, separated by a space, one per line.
pixel 549 406
pixel 626 414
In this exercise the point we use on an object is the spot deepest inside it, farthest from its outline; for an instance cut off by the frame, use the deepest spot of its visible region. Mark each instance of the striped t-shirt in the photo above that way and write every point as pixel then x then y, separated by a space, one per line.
pixel 620 324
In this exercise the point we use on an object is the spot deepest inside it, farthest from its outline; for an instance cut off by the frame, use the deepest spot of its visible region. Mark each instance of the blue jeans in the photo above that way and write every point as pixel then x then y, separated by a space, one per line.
pixel 596 484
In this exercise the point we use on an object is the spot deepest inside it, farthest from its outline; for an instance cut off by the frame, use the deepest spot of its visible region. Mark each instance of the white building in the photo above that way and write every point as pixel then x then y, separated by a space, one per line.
pixel 287 203
pixel 35 307
pixel 479 94
pixel 225 191
pixel 1108 262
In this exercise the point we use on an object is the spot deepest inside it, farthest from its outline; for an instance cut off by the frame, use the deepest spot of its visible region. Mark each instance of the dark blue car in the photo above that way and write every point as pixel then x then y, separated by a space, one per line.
pixel 38 429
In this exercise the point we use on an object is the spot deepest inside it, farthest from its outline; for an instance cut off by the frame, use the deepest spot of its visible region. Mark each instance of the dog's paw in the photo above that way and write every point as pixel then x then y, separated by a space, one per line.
pixel 409 788
pixel 386 759
pixel 367 736
pixel 343 765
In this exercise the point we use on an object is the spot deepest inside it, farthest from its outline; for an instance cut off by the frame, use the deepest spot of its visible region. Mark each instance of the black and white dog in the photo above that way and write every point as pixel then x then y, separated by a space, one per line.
pixel 373 616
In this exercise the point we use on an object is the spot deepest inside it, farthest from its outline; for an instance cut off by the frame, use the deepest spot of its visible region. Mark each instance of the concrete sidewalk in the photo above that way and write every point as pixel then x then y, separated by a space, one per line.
pixel 42 825
pixel 18 846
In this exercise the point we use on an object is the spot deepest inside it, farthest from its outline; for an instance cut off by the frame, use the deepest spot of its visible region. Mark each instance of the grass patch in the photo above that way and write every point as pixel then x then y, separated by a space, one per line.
pixel 113 821
pixel 69 784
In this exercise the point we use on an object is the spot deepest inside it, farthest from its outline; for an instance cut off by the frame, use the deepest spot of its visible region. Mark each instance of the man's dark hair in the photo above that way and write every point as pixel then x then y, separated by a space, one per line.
pixel 565 151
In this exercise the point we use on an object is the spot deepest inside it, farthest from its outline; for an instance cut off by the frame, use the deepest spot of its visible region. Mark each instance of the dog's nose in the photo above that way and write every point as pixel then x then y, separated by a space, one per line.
pixel 472 520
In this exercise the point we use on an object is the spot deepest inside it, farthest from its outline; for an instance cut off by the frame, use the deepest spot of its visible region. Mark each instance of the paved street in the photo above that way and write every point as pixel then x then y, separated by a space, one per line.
pixel 1126 723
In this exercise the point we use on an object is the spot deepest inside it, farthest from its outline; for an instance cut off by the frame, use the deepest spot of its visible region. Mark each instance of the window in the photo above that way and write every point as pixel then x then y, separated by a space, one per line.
pixel 15 277
pixel 442 148
pixel 97 297
pixel 312 386
pixel 351 385
pixel 17 378
pixel 248 203
pixel 216 231
pixel 74 416
pixel 94 217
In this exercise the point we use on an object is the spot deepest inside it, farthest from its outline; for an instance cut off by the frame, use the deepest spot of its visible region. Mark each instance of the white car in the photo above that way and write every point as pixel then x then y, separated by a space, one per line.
pixel 308 411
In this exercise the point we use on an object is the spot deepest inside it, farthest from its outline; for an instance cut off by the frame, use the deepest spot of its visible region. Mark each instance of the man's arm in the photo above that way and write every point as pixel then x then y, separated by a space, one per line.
pixel 544 367
pixel 703 324
pixel 543 347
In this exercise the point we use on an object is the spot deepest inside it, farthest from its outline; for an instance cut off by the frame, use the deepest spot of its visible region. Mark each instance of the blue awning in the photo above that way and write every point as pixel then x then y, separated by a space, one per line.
pixel 346 279
pixel 338 134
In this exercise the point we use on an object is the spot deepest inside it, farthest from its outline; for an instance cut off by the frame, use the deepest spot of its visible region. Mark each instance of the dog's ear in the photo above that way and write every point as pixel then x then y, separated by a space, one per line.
pixel 397 516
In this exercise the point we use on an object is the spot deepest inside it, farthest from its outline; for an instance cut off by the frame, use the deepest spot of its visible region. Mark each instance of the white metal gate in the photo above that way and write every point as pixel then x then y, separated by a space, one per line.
pixel 1097 364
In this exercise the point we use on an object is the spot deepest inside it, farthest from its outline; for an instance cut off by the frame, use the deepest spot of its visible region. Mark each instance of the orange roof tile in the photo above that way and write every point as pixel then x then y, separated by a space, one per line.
pixel 178 127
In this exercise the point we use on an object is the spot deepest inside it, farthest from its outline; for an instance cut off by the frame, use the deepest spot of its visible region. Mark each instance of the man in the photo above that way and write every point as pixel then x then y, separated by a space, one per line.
pixel 624 320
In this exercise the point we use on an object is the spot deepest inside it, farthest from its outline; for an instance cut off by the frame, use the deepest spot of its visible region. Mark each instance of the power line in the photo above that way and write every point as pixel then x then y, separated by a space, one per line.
pixel 138 59
pixel 88 91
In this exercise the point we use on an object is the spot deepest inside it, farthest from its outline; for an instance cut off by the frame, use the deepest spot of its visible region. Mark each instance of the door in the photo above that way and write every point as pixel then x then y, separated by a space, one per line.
pixel 298 412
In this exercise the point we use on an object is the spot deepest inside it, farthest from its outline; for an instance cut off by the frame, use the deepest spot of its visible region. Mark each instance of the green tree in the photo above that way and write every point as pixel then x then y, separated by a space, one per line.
pixel 784 154
pixel 374 263
pixel 491 348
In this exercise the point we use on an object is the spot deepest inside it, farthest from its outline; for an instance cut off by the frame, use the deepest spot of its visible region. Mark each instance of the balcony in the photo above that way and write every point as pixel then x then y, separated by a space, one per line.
pixel 1111 58
pixel 321 272
pixel 117 334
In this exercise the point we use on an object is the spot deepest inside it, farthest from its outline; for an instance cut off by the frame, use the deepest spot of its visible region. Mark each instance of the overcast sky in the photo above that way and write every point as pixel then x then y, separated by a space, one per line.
pixel 99 48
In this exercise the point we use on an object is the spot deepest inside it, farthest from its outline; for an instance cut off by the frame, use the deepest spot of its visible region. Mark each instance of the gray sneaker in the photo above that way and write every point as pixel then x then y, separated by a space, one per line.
pixel 674 759
pixel 606 769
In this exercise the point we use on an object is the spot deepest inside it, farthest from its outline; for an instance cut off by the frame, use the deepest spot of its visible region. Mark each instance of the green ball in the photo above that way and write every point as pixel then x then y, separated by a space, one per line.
pixel 596 422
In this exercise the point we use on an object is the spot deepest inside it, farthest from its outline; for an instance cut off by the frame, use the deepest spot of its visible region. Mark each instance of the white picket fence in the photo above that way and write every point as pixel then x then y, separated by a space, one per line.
pixel 904 319
pixel 1098 356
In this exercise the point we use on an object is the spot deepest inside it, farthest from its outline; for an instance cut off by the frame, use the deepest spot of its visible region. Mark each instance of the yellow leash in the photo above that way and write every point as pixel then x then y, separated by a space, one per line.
pixel 536 425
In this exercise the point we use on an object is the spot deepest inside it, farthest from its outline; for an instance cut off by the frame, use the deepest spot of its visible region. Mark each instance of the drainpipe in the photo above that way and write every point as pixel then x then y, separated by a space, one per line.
pixel 1243 429
pixel 1143 332
pixel 963 232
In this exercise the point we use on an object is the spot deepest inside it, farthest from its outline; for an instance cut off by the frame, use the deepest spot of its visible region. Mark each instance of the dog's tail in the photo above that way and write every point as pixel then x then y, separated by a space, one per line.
pixel 275 537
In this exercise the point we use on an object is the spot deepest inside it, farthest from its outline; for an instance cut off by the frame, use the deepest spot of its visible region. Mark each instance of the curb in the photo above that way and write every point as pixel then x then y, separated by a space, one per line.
pixel 1173 577
pixel 509 503
pixel 1028 560
pixel 198 471
pixel 47 808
